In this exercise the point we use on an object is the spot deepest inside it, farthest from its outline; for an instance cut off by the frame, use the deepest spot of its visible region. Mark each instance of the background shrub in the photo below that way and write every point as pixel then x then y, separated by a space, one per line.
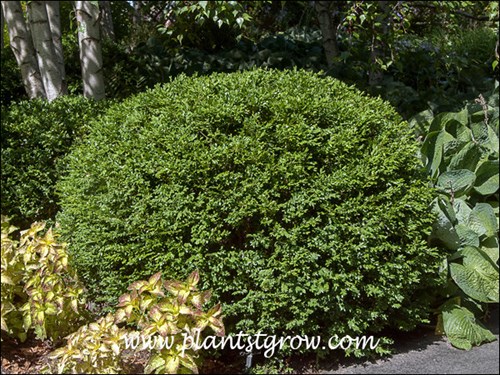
pixel 36 135
pixel 299 198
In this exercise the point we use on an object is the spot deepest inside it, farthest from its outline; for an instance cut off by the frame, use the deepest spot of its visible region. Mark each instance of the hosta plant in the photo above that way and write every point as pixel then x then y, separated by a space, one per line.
pixel 461 155
pixel 40 291
pixel 158 311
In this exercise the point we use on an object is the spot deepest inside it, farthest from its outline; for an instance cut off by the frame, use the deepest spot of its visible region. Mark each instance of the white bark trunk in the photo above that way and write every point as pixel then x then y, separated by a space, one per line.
pixel 136 18
pixel 22 46
pixel 1 16
pixel 54 16
pixel 328 30
pixel 87 16
pixel 44 47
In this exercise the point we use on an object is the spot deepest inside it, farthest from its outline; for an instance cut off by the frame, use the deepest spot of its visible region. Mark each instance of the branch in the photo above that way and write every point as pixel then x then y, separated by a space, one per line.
pixel 458 12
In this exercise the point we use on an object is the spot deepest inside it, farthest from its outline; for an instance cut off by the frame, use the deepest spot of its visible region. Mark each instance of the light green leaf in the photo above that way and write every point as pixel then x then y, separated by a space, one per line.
pixel 480 132
pixel 155 362
pixel 490 248
pixel 457 182
pixel 462 329
pixel 487 179
pixel 462 211
pixel 433 150
pixel 482 220
pixel 443 228
pixel 467 236
pixel 492 143
pixel 477 276
pixel 467 158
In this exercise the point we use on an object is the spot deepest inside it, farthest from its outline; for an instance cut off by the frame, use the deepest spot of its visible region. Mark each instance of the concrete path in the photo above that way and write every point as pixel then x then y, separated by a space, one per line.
pixel 427 353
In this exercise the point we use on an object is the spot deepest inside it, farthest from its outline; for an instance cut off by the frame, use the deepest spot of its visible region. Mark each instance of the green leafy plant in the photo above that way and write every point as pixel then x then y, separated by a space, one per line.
pixel 301 197
pixel 168 309
pixel 36 135
pixel 40 291
pixel 461 155
pixel 12 291
pixel 94 349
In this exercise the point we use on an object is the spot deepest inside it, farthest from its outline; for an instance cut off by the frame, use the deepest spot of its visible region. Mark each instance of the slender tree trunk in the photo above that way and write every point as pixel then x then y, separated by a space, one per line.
pixel 22 46
pixel 377 50
pixel 107 29
pixel 328 23
pixel 54 16
pixel 1 16
pixel 44 48
pixel 136 18
pixel 87 16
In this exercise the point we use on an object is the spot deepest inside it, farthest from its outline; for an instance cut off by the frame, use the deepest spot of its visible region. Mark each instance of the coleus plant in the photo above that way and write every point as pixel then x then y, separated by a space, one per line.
pixel 40 291
pixel 170 310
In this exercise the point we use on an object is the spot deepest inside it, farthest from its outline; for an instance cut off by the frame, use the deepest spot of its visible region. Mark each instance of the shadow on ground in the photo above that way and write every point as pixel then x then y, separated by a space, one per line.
pixel 423 352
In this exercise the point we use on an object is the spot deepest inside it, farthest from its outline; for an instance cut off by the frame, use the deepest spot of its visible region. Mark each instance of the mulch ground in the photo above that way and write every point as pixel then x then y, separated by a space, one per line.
pixel 32 355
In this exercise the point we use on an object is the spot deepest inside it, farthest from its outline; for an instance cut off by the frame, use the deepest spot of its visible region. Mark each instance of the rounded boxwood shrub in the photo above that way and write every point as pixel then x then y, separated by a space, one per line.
pixel 299 199
pixel 36 135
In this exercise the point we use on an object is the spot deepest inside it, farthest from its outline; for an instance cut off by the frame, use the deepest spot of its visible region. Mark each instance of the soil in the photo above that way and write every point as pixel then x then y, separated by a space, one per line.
pixel 32 355
pixel 418 350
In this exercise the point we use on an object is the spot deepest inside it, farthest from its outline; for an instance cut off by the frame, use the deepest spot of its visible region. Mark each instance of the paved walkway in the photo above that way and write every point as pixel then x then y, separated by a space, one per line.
pixel 430 354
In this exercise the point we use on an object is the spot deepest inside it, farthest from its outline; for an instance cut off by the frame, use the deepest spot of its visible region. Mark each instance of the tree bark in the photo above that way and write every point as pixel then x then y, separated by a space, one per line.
pixel 54 17
pixel 1 17
pixel 87 16
pixel 328 24
pixel 22 46
pixel 108 31
pixel 44 48
pixel 377 50
pixel 137 18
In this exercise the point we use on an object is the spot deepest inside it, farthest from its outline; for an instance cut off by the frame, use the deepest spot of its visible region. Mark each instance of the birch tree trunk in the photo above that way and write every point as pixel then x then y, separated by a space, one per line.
pixel 107 29
pixel 1 17
pixel 137 18
pixel 89 37
pixel 328 24
pixel 54 17
pixel 22 46
pixel 44 48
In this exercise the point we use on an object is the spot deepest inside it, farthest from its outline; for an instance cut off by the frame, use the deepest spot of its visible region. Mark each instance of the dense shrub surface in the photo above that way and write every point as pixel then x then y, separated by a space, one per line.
pixel 36 135
pixel 300 200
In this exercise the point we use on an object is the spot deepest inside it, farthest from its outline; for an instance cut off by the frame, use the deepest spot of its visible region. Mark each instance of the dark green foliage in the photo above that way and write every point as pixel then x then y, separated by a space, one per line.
pixel 300 199
pixel 154 61
pixel 36 135
pixel 441 71
pixel 11 86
